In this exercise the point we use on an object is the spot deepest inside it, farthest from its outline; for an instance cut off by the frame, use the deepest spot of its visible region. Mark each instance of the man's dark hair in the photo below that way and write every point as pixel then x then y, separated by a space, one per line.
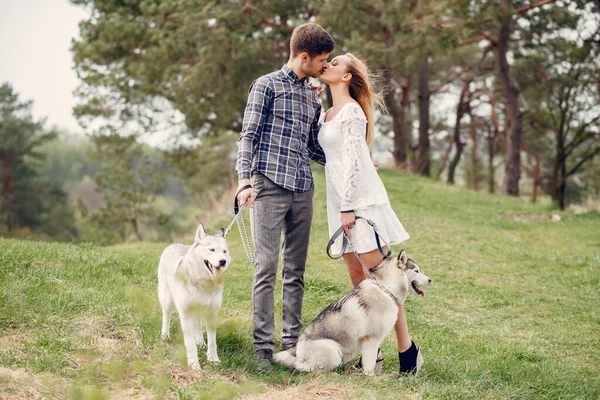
pixel 312 39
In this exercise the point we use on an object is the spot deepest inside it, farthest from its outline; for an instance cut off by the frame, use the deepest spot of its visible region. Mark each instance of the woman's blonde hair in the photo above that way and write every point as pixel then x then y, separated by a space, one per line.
pixel 362 90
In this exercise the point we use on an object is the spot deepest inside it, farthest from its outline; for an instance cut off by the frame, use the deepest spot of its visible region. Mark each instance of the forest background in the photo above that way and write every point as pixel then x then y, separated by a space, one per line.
pixel 497 96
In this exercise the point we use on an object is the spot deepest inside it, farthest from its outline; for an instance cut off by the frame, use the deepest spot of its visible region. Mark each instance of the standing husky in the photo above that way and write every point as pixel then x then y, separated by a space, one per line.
pixel 359 321
pixel 192 278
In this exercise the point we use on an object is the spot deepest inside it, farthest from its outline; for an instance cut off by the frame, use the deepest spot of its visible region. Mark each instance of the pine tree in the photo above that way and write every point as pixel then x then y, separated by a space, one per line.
pixel 128 181
pixel 22 192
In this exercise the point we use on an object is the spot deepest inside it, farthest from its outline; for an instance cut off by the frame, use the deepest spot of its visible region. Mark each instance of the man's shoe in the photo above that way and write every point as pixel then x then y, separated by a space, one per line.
pixel 411 360
pixel 264 357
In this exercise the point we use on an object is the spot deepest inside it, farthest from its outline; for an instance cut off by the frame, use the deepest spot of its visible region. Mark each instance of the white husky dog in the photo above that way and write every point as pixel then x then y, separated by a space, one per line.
pixel 359 321
pixel 192 278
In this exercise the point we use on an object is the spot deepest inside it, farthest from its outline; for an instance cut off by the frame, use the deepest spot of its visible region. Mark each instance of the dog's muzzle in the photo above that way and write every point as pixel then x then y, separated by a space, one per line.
pixel 210 267
pixel 214 268
pixel 416 288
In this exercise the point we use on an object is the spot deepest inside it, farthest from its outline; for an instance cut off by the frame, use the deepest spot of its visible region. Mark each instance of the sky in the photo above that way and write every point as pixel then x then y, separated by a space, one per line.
pixel 35 57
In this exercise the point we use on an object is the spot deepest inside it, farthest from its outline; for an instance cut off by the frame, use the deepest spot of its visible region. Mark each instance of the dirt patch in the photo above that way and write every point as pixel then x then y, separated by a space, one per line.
pixel 13 339
pixel 21 384
pixel 134 393
pixel 300 393
pixel 533 217
pixel 109 347
pixel 90 326
pixel 180 376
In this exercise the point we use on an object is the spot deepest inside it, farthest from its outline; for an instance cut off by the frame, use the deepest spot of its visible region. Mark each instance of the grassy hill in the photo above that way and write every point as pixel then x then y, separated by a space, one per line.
pixel 512 311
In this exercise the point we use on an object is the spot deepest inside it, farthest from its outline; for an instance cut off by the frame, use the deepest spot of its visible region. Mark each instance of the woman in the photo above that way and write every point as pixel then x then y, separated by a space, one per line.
pixel 353 185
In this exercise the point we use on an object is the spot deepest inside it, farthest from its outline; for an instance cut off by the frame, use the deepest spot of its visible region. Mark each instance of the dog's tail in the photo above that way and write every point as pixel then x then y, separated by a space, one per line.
pixel 286 358
pixel 314 354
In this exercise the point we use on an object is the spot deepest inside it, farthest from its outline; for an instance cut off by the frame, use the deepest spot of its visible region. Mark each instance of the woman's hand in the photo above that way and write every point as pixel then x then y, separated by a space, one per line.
pixel 348 221
pixel 317 89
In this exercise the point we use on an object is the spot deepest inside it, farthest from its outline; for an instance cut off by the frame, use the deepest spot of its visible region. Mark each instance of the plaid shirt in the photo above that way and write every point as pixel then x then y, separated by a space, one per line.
pixel 279 132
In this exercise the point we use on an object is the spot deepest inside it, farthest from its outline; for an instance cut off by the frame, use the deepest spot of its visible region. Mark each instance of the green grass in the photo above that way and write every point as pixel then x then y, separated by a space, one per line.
pixel 513 311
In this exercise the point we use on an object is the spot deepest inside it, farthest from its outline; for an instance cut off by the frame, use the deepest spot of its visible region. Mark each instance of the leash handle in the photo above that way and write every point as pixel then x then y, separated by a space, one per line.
pixel 337 233
pixel 236 206
pixel 377 237
pixel 340 231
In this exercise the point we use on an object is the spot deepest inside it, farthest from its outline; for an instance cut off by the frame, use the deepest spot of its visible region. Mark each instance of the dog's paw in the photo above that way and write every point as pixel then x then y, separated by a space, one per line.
pixel 201 343
pixel 195 366
pixel 165 336
pixel 213 358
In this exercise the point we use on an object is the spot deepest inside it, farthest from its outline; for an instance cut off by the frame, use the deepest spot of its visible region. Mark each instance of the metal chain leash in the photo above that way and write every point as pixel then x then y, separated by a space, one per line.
pixel 243 233
pixel 360 260
pixel 367 271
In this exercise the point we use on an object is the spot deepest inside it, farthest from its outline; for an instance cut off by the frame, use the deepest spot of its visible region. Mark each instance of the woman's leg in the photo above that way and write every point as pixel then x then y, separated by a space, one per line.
pixel 401 328
pixel 357 274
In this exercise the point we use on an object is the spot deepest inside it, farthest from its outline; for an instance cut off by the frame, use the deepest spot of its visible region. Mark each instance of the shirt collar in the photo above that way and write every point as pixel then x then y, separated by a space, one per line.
pixel 287 71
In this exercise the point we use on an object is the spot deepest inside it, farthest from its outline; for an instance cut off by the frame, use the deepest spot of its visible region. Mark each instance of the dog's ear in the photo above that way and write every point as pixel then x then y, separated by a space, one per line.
pixel 222 232
pixel 200 233
pixel 402 259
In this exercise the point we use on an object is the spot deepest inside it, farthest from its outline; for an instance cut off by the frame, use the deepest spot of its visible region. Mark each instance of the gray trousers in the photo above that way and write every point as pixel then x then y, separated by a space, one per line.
pixel 276 211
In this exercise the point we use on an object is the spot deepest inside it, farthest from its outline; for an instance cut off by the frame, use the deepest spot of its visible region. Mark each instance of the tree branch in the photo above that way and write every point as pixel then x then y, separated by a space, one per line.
pixel 582 138
pixel 518 11
pixel 585 159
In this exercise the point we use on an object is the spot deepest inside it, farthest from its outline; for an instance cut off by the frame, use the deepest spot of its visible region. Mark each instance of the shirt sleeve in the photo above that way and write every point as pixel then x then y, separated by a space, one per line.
pixel 315 152
pixel 260 97
pixel 353 129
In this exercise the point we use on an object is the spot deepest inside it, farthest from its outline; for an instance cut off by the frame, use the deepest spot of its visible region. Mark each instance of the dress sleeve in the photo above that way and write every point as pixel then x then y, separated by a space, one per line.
pixel 354 131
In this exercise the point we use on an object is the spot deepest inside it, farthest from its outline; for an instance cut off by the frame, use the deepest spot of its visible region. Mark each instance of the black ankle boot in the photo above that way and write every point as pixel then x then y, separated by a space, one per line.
pixel 410 360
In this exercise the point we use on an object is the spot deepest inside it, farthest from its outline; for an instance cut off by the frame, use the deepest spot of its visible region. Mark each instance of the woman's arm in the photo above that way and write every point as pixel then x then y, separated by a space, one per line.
pixel 353 130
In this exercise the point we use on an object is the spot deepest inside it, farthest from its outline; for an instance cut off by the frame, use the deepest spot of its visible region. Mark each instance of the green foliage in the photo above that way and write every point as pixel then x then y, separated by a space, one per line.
pixel 509 313
pixel 199 55
pixel 560 83
pixel 67 160
pixel 207 168
pixel 154 65
pixel 27 199
pixel 128 180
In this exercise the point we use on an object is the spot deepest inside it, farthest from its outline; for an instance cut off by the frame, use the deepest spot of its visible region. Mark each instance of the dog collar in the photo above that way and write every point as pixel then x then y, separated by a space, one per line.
pixel 383 288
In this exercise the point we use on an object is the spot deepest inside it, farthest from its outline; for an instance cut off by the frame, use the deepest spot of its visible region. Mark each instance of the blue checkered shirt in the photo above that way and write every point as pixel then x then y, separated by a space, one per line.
pixel 279 132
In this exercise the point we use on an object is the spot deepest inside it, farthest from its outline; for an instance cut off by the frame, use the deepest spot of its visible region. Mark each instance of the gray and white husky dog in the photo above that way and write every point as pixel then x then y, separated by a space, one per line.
pixel 359 321
pixel 191 277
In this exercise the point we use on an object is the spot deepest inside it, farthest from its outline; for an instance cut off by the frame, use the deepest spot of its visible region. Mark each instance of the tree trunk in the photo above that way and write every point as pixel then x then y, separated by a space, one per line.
pixel 491 168
pixel 460 112
pixel 422 161
pixel 6 180
pixel 559 178
pixel 6 187
pixel 136 230
pixel 396 109
pixel 514 124
pixel 446 156
pixel 474 161
pixel 536 179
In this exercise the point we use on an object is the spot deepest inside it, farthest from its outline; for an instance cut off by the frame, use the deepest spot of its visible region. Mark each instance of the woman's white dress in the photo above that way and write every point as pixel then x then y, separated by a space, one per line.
pixel 353 182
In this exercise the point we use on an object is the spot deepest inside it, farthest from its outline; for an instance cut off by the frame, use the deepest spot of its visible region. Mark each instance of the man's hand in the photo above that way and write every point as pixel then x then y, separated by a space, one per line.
pixel 246 195
pixel 348 221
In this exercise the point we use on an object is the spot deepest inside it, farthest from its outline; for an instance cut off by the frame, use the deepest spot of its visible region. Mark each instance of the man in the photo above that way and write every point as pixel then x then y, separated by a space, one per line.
pixel 279 135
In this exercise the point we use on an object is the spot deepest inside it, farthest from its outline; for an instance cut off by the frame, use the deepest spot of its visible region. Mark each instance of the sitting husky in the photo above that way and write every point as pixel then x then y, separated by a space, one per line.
pixel 358 322
pixel 192 278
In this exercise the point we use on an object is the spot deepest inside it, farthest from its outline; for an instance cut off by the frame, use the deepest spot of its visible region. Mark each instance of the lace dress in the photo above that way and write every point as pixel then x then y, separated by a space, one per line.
pixel 352 182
